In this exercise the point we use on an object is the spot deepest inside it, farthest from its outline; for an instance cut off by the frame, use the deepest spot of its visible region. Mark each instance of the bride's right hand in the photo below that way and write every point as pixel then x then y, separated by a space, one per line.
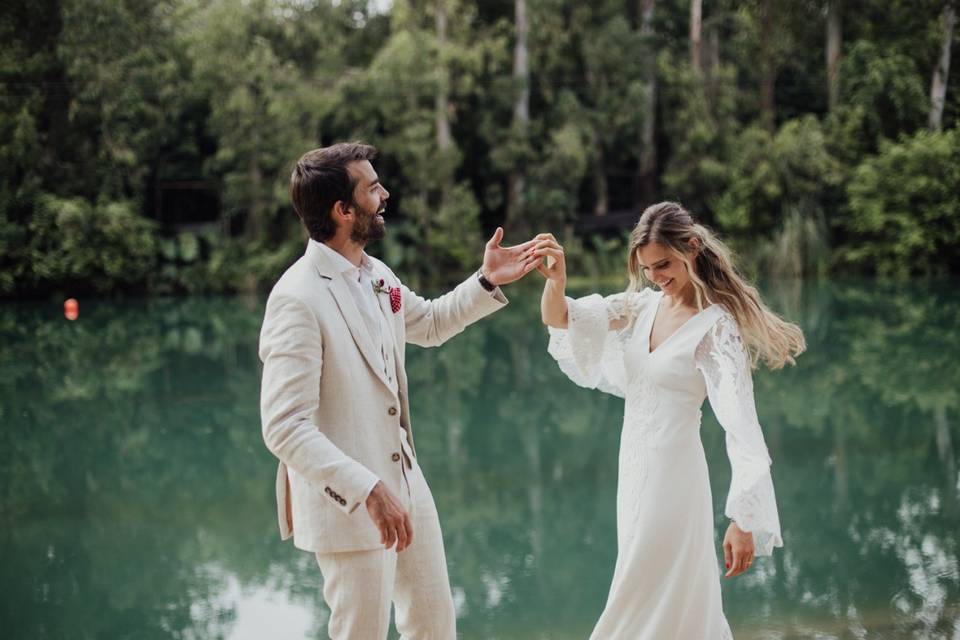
pixel 554 268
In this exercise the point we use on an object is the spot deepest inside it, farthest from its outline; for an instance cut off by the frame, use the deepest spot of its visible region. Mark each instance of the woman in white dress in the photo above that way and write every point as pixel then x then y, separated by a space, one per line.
pixel 664 352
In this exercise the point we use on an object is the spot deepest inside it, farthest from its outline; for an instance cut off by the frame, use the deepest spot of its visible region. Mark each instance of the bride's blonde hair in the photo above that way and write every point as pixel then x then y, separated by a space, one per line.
pixel 767 336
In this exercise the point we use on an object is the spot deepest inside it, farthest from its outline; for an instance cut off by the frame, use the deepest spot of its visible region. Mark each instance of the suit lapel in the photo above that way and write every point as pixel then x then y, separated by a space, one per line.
pixel 348 308
pixel 393 320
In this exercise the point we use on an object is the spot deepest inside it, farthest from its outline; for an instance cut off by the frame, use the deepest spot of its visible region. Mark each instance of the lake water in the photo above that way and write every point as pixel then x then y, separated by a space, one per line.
pixel 136 496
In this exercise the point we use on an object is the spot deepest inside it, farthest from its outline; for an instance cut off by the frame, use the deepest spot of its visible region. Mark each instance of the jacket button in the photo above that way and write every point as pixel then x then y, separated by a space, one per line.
pixel 392 411
pixel 395 457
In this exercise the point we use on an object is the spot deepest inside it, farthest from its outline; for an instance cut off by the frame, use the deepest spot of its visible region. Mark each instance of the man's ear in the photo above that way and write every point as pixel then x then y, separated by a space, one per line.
pixel 341 210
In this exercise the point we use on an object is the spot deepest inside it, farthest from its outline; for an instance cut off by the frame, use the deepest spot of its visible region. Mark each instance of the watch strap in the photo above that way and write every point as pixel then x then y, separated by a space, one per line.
pixel 486 284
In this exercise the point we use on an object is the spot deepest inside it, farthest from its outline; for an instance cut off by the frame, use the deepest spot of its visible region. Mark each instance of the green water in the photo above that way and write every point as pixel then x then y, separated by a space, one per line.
pixel 136 496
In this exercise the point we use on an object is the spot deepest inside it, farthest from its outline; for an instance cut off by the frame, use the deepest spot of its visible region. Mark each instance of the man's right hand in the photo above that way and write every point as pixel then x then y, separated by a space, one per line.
pixel 391 518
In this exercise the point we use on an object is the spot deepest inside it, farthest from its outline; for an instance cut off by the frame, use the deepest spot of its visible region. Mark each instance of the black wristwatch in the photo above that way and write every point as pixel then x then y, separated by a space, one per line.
pixel 486 284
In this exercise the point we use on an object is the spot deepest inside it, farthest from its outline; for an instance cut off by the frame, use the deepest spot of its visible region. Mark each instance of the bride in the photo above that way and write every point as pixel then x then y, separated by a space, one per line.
pixel 664 352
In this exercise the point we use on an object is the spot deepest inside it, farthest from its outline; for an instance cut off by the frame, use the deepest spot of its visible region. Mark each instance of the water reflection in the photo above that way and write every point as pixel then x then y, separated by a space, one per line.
pixel 136 494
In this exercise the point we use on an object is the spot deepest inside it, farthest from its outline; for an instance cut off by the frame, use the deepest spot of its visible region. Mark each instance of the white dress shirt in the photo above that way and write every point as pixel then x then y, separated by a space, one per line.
pixel 360 281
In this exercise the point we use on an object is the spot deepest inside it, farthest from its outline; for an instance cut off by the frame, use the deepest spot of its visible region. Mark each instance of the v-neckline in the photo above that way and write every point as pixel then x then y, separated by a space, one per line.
pixel 653 323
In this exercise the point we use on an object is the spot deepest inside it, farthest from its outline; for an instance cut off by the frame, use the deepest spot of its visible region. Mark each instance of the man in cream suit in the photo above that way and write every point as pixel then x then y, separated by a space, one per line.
pixel 335 408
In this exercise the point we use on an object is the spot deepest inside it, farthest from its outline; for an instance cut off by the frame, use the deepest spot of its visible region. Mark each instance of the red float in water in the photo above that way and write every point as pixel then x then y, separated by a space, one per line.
pixel 71 309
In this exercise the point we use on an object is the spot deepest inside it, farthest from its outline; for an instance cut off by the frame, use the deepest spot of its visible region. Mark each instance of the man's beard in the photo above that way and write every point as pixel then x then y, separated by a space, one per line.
pixel 367 228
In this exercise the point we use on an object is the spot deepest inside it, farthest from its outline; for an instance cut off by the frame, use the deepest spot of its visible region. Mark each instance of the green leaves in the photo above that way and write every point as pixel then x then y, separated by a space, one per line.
pixel 771 173
pixel 904 208
pixel 112 101
pixel 103 246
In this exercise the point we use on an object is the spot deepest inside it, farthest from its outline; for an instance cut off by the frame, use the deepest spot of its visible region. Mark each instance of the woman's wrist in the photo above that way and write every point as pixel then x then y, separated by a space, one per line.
pixel 558 285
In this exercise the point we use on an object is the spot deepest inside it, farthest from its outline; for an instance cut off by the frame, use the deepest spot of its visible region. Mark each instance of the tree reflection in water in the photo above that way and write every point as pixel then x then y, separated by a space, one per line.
pixel 136 494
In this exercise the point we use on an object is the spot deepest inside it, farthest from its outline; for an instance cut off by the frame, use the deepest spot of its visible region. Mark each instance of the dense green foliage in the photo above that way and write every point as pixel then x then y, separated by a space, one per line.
pixel 147 145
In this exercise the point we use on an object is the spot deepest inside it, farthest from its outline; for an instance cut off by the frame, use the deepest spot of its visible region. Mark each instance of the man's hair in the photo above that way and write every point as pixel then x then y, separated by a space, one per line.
pixel 320 180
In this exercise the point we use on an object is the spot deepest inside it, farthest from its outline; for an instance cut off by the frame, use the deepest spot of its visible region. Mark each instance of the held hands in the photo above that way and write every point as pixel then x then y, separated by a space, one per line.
pixel 391 518
pixel 738 550
pixel 503 265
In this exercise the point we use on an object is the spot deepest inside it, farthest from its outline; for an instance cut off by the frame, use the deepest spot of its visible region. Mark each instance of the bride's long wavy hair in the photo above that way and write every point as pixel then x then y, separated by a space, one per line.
pixel 715 278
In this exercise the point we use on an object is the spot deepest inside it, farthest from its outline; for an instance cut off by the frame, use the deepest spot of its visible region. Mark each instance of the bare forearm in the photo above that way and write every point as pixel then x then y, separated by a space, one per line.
pixel 553 304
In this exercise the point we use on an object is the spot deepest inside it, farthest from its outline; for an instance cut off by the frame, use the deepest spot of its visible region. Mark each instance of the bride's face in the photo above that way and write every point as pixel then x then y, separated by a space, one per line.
pixel 664 268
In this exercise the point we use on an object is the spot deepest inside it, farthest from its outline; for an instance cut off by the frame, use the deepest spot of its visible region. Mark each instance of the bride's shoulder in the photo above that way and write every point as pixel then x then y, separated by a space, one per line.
pixel 633 297
pixel 630 303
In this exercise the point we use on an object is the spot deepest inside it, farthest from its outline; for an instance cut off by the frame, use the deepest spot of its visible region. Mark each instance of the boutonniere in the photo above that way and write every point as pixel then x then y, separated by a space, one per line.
pixel 394 293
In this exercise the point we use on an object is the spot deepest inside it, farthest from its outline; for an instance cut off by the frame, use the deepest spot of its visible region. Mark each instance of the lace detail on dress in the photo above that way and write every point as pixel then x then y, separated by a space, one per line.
pixel 638 442
pixel 722 359
pixel 590 349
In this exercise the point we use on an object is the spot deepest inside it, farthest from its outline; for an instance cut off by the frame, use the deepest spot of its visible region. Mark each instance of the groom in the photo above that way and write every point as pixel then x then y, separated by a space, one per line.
pixel 334 401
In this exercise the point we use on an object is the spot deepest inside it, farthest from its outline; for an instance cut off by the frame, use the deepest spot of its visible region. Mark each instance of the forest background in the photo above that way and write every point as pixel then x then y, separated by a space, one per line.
pixel 146 145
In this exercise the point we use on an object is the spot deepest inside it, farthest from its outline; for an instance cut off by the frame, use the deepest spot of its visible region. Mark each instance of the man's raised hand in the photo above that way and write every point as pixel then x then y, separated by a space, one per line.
pixel 503 265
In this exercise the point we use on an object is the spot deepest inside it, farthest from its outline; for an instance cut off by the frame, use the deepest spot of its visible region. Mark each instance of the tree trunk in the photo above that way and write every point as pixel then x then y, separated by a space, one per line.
pixel 647 171
pixel 442 108
pixel 938 87
pixel 521 108
pixel 254 224
pixel 712 69
pixel 714 52
pixel 834 44
pixel 769 67
pixel 696 21
pixel 601 206
pixel 444 139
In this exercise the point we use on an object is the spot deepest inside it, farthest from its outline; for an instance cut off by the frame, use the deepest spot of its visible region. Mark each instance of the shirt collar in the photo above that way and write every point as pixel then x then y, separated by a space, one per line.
pixel 342 264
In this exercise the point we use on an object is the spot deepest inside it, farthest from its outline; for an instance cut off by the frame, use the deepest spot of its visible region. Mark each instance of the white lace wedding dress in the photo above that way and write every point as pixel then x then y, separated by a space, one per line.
pixel 666 584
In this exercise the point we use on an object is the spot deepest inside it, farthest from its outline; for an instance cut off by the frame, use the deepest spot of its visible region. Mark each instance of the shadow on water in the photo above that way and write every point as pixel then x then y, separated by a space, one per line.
pixel 136 494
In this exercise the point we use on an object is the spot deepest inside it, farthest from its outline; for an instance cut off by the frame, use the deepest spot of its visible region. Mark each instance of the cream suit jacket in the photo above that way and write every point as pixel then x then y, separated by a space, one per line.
pixel 328 411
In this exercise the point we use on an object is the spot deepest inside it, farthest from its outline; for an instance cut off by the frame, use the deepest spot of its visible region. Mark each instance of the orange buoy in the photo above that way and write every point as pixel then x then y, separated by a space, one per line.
pixel 71 309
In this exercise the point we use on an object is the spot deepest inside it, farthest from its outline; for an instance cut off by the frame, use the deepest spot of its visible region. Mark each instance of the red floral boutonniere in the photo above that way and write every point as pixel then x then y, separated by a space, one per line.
pixel 394 293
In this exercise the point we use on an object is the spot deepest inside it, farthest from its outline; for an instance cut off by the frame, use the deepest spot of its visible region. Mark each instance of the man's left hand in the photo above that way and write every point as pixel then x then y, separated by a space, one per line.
pixel 503 265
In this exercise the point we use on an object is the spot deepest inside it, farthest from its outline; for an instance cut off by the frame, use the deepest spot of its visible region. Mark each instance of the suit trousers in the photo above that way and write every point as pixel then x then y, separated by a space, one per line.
pixel 359 586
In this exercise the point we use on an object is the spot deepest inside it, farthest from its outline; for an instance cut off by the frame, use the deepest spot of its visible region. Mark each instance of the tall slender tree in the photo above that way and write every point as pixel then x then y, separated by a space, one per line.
pixel 521 107
pixel 647 170
pixel 442 101
pixel 444 140
pixel 769 66
pixel 938 84
pixel 833 52
pixel 696 24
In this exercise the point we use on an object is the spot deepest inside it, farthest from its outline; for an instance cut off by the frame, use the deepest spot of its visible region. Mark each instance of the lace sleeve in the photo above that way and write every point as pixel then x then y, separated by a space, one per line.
pixel 723 361
pixel 590 349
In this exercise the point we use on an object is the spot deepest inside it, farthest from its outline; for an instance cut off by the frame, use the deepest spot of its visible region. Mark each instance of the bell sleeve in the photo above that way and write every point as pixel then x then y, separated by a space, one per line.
pixel 722 359
pixel 590 349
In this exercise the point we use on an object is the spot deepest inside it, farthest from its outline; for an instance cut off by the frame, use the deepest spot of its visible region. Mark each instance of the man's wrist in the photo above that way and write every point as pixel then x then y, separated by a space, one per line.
pixel 485 282
pixel 373 491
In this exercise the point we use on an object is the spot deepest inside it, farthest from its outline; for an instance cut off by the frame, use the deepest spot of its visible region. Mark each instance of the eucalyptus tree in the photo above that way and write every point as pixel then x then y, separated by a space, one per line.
pixel 941 71
pixel 833 49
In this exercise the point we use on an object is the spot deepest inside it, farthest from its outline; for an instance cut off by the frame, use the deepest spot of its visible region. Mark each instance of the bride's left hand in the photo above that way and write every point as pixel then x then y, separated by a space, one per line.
pixel 738 550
